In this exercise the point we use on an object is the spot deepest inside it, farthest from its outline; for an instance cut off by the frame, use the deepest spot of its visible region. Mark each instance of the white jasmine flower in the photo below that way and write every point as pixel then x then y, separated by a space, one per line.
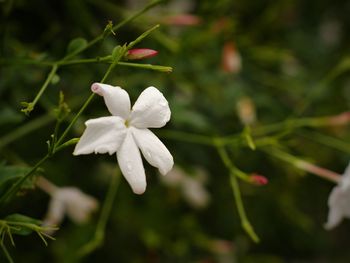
pixel 126 132
pixel 72 202
pixel 339 201
pixel 191 186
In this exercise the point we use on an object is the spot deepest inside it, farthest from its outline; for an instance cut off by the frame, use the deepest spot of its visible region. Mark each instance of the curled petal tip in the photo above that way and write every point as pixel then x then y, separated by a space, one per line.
pixel 95 88
pixel 139 190
pixel 167 169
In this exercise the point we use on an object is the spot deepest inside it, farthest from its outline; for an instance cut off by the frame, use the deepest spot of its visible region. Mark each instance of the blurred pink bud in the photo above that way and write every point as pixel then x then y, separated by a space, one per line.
pixel 140 53
pixel 231 59
pixel 340 119
pixel 221 246
pixel 182 20
pixel 258 179
pixel 246 111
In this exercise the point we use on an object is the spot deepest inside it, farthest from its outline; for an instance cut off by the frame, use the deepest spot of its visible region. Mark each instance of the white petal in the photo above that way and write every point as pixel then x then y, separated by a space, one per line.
pixel 130 162
pixel 194 192
pixel 55 213
pixel 79 205
pixel 153 150
pixel 335 214
pixel 345 179
pixel 116 99
pixel 339 207
pixel 101 135
pixel 151 110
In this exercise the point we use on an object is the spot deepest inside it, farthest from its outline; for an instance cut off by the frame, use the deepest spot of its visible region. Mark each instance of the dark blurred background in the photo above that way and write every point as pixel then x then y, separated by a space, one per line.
pixel 279 58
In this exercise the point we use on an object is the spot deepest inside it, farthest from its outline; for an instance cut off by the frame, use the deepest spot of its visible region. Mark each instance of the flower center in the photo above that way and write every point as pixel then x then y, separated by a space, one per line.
pixel 127 123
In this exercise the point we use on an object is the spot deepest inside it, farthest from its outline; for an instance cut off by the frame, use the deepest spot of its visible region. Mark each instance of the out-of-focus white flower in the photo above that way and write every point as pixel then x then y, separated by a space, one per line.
pixel 126 132
pixel 339 201
pixel 72 202
pixel 191 186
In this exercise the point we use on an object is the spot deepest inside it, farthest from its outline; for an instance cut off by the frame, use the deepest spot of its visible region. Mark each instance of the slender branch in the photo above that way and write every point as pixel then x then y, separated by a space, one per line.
pixel 114 28
pixel 303 165
pixel 16 186
pixel 30 106
pixel 7 254
pixel 98 237
pixel 236 192
pixel 64 134
pixel 326 140
pixel 186 137
pixel 26 128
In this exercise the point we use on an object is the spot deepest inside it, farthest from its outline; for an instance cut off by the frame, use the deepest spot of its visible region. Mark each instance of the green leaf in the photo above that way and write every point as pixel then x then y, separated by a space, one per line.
pixel 16 219
pixel 76 44
pixel 10 116
pixel 9 174
pixel 63 109
pixel 118 52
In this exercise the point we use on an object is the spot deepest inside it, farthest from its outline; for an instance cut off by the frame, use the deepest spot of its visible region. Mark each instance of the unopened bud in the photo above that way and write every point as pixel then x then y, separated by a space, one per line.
pixel 231 59
pixel 140 53
pixel 258 179
pixel 246 111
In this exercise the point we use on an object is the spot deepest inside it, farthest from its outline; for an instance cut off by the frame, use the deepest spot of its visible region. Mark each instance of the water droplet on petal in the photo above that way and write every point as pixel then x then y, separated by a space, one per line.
pixel 163 103
pixel 148 154
pixel 129 167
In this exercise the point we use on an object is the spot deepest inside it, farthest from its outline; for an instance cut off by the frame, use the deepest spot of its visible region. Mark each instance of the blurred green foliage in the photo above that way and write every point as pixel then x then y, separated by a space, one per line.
pixel 295 61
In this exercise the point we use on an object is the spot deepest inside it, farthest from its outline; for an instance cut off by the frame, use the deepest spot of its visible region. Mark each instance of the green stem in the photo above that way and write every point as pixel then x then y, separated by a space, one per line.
pixel 26 128
pixel 147 66
pixel 66 144
pixel 115 28
pixel 326 140
pixel 97 240
pixel 237 193
pixel 7 254
pixel 116 60
pixel 106 59
pixel 142 36
pixel 15 187
pixel 87 102
pixel 287 126
pixel 32 104
pixel 64 134
pixel 186 137
pixel 25 61
pixel 303 165
pixel 314 92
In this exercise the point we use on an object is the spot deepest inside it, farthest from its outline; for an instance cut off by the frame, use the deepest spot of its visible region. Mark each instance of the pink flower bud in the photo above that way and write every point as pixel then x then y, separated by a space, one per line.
pixel 340 119
pixel 182 20
pixel 258 179
pixel 140 53
pixel 231 59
